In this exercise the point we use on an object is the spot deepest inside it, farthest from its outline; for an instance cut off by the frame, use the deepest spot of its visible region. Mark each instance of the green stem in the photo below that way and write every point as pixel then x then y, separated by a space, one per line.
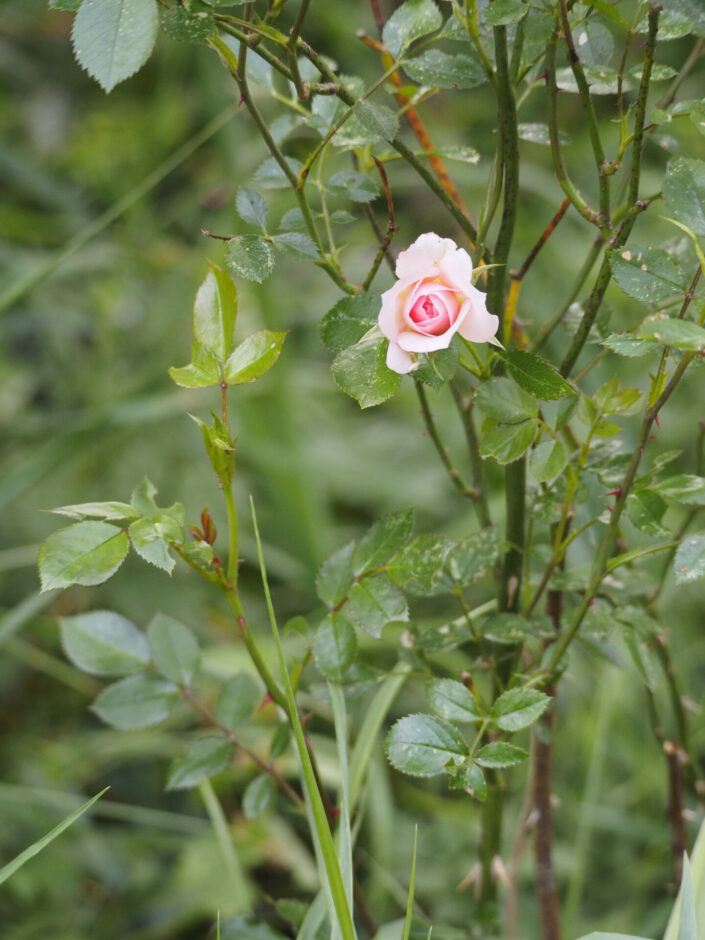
pixel 479 493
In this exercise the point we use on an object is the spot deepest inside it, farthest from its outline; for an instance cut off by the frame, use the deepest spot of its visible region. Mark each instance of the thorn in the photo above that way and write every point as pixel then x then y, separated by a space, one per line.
pixel 617 492
pixel 265 701
pixel 658 423
pixel 592 602
pixel 543 74
pixel 241 101
pixel 242 625
pixel 335 811
pixel 651 437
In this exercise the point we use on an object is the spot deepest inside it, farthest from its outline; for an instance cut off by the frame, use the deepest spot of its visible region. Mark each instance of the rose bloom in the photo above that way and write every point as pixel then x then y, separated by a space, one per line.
pixel 433 300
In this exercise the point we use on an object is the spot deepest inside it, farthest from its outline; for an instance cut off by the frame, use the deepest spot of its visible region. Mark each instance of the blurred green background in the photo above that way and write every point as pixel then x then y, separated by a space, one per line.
pixel 86 409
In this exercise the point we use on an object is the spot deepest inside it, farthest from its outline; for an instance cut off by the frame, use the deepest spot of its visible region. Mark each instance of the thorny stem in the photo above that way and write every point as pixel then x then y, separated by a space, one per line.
pixel 392 227
pixel 478 492
pixel 432 432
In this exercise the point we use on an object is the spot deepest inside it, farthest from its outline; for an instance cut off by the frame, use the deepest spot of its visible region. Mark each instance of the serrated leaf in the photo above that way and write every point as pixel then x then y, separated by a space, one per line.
pixel 86 553
pixel 411 20
pixel 506 628
pixel 505 12
pixel 471 558
pixel 335 576
pixel 375 602
pixel 684 193
pixel 348 320
pixel 250 256
pixel 683 334
pixel 269 175
pixel 547 460
pixel 646 273
pixel 518 708
pixel 689 563
pixel 109 511
pixel 349 184
pixel 202 371
pixel 238 700
pixel 334 646
pixel 435 369
pixel 419 566
pixel 112 39
pixel 136 702
pixel 685 488
pixel 187 25
pixel 440 70
pixel 297 245
pixel 361 372
pixel 149 544
pixel 421 745
pixel 103 643
pixel 257 796
pixel 500 754
pixel 382 541
pixel 624 344
pixel 451 700
pixel 378 119
pixel 174 649
pixel 646 509
pixel 251 207
pixel 502 399
pixel 253 357
pixel 205 758
pixel 507 442
pixel 535 375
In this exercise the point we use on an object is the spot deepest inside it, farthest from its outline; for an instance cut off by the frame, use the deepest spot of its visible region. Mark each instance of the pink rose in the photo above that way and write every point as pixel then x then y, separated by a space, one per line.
pixel 433 300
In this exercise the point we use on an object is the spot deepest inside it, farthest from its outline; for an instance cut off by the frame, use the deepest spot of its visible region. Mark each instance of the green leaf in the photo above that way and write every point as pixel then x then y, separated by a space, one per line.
pixel 297 245
pixel 503 400
pixel 251 257
pixel 684 488
pixel 70 6
pixel 251 207
pixel 452 700
pixel 238 700
pixel 535 375
pixel 375 602
pixel 113 511
pixel 269 175
pixel 684 193
pixel 506 628
pixel 202 371
pixel 683 334
pixel 253 357
pixel 624 344
pixel 548 460
pixel 187 25
pixel 437 368
pixel 219 447
pixel 257 796
pixel 104 643
pixel 215 311
pixel 593 42
pixel 411 20
pixel 644 658
pixel 349 184
pixel 36 847
pixel 199 552
pixel 174 649
pixel 382 541
pixel 334 646
pixel 86 553
pixel 361 372
pixel 419 566
pixel 440 70
pixel 459 153
pixel 471 558
pixel 112 39
pixel 378 119
pixel 149 544
pixel 205 758
pixel 136 702
pixel 500 754
pixel 505 12
pixel 280 740
pixel 244 929
pixel 646 510
pixel 335 576
pixel 349 320
pixel 646 273
pixel 421 745
pixel 539 134
pixel 689 563
pixel 507 442
pixel 519 708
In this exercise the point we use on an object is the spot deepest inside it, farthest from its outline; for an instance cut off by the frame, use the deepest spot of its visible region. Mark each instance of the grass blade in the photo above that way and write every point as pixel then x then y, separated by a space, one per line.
pixel 8 870
pixel 412 881
pixel 241 892
pixel 340 720
pixel 317 819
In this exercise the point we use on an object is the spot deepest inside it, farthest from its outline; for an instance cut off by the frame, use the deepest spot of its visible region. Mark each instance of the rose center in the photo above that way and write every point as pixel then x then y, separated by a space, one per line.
pixel 433 313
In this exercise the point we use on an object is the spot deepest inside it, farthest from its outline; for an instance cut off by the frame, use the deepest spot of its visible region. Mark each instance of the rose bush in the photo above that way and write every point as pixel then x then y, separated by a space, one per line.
pixel 433 300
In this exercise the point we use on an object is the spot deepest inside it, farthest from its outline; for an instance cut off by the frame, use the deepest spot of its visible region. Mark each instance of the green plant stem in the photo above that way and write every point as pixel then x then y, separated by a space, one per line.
pixel 640 115
pixel 547 329
pixel 255 655
pixel 491 835
pixel 478 492
pixel 432 432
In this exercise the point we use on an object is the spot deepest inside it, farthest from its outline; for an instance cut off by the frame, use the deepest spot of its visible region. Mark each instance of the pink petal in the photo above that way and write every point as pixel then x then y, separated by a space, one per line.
pixel 475 323
pixel 418 342
pixel 399 361
pixel 390 318
pixel 456 270
pixel 426 252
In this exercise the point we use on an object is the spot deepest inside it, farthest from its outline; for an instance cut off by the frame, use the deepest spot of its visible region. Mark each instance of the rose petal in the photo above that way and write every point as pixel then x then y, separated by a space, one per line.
pixel 418 342
pixel 476 324
pixel 426 252
pixel 456 270
pixel 399 361
pixel 391 317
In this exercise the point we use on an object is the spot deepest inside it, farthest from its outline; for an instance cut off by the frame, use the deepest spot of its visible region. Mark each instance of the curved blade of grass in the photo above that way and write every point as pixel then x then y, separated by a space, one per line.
pixel 410 901
pixel 313 918
pixel 240 888
pixel 317 818
pixel 19 860
pixel 340 721
pixel 370 728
